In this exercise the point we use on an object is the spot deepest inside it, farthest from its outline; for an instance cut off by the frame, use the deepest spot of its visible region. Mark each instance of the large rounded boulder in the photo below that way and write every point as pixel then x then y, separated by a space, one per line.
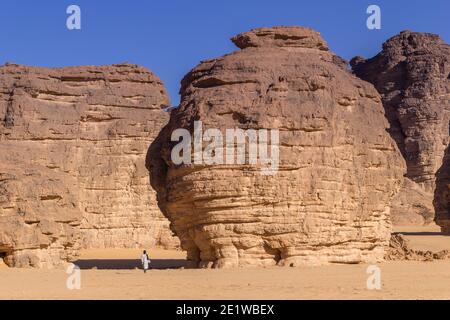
pixel 312 182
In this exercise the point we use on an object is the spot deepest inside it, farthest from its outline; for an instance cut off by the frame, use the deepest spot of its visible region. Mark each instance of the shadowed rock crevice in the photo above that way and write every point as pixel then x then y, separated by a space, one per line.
pixel 3 254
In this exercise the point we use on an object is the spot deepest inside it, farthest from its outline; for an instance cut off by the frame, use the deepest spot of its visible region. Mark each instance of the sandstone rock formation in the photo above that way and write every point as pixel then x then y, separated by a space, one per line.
pixel 39 217
pixel 412 75
pixel 338 167
pixel 442 194
pixel 73 143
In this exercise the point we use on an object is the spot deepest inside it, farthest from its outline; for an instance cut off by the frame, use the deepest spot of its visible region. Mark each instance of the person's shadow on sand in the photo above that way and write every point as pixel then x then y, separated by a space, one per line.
pixel 121 264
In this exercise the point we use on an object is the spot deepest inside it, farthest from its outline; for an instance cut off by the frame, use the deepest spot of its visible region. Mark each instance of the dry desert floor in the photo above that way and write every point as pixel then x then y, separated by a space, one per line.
pixel 112 274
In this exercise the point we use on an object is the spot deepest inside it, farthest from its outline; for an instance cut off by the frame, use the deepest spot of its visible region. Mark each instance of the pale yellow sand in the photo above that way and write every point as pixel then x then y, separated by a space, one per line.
pixel 407 280
pixel 425 238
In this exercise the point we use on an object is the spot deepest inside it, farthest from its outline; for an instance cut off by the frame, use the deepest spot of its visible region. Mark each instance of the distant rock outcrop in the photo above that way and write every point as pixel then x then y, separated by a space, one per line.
pixel 442 194
pixel 73 142
pixel 39 215
pixel 338 167
pixel 412 74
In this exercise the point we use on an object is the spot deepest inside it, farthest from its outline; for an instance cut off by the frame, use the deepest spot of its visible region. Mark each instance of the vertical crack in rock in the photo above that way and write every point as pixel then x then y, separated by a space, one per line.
pixel 339 169
pixel 8 120
pixel 411 74
pixel 72 175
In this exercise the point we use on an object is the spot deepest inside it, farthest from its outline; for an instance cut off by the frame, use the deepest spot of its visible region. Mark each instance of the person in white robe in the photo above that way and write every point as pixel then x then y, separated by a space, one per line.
pixel 145 261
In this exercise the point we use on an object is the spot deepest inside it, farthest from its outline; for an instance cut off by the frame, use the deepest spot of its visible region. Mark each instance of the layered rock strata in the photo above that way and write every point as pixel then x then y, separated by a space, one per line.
pixel 73 143
pixel 412 74
pixel 442 194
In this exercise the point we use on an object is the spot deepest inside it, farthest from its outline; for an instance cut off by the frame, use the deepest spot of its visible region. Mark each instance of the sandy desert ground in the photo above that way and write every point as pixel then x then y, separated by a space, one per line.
pixel 112 274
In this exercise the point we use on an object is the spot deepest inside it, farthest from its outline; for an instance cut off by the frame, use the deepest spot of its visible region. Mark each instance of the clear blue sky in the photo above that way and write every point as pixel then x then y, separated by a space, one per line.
pixel 171 37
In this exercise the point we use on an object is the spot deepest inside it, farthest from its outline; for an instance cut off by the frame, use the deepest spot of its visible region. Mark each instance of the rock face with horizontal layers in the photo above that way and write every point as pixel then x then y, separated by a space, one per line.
pixel 73 143
pixel 39 216
pixel 338 167
pixel 412 74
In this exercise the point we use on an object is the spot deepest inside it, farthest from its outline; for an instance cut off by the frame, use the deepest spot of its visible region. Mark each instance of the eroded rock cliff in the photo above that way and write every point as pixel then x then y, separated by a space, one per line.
pixel 39 215
pixel 338 167
pixel 412 74
pixel 73 143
